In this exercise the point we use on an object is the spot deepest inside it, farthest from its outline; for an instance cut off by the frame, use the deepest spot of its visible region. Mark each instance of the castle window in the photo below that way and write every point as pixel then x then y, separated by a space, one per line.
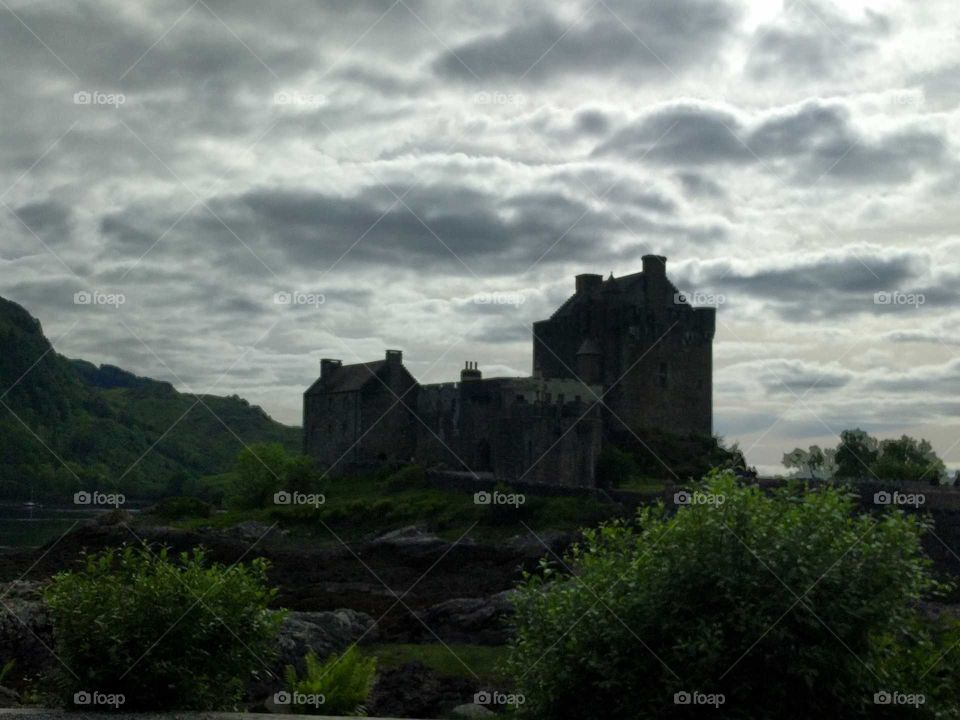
pixel 663 376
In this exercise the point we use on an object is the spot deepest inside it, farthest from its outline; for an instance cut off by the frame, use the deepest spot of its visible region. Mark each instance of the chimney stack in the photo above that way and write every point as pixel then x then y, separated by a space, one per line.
pixel 654 265
pixel 328 366
pixel 470 372
pixel 587 282
pixel 395 356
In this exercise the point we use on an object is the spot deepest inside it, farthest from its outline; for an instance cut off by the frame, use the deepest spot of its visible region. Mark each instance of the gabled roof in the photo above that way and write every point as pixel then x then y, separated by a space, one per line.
pixel 348 378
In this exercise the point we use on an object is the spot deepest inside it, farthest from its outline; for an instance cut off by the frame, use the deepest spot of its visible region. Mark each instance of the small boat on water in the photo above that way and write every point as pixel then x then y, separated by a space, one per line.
pixel 31 505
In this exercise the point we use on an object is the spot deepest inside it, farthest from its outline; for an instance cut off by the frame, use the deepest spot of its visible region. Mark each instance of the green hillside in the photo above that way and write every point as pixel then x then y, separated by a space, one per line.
pixel 102 422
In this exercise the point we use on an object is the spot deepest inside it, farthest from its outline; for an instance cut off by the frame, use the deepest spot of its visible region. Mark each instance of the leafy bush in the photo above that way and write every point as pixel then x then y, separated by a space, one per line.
pixel 342 682
pixel 165 635
pixel 177 508
pixel 264 469
pixel 407 478
pixel 614 466
pixel 788 605
pixel 5 670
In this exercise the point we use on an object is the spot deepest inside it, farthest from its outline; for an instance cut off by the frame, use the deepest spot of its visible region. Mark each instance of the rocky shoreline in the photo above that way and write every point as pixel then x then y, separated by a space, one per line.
pixel 406 586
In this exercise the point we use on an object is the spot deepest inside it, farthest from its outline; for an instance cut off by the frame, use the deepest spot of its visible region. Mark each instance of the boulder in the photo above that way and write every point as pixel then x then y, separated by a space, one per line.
pixel 251 531
pixel 477 621
pixel 325 633
pixel 471 710
pixel 26 630
pixel 8 698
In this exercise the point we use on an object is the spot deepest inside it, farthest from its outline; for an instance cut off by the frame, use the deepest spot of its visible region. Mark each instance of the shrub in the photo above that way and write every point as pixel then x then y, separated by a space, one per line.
pixel 614 466
pixel 342 684
pixel 165 635
pixel 177 508
pixel 787 604
pixel 407 478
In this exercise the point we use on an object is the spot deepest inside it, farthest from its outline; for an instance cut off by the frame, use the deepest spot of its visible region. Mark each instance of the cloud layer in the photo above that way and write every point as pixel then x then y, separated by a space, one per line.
pixel 386 162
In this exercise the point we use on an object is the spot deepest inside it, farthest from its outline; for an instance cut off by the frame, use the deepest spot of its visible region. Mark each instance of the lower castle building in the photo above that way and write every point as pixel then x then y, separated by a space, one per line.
pixel 620 357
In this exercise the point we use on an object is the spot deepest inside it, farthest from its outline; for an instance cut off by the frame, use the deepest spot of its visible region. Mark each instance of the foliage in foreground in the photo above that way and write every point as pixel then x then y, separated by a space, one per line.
pixel 338 686
pixel 165 635
pixel 786 605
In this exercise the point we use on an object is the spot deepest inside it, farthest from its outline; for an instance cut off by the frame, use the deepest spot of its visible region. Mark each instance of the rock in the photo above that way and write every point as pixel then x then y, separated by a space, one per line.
pixel 25 629
pixel 407 536
pixel 414 690
pixel 471 710
pixel 324 633
pixel 550 543
pixel 117 516
pixel 8 698
pixel 477 621
pixel 251 531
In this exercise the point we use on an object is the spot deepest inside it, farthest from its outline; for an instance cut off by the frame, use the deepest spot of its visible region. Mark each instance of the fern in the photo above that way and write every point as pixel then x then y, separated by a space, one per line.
pixel 344 682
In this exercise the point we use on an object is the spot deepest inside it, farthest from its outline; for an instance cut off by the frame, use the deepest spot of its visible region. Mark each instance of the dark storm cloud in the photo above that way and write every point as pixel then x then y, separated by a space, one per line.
pixel 813 142
pixel 854 281
pixel 810 40
pixel 48 219
pixel 640 39
pixel 448 227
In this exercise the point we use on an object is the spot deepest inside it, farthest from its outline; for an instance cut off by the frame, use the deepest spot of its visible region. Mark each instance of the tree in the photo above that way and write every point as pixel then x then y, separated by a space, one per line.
pixel 856 454
pixel 787 604
pixel 259 475
pixel 906 459
pixel 813 464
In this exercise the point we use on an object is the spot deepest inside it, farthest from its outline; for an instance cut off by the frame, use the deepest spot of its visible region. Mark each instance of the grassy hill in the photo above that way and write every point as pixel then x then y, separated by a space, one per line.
pixel 67 425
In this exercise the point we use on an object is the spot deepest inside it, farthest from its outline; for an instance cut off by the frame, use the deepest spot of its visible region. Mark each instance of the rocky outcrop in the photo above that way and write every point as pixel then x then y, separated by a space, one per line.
pixel 323 633
pixel 476 621
pixel 26 632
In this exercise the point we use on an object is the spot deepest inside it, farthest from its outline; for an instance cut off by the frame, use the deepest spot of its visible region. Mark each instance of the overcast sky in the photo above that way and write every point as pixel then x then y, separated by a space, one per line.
pixel 394 159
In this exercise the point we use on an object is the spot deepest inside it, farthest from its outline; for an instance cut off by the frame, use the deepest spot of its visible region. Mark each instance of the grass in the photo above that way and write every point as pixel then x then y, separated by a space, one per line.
pixel 642 484
pixel 359 506
pixel 458 660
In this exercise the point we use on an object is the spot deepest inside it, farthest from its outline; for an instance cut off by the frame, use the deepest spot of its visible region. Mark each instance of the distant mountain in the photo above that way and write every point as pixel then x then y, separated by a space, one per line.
pixel 70 425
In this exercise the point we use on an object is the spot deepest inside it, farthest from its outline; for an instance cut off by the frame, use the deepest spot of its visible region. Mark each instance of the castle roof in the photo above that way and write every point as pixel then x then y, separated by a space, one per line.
pixel 348 378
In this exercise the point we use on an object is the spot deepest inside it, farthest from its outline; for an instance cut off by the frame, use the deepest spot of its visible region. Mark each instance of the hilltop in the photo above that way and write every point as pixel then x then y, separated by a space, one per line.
pixel 67 424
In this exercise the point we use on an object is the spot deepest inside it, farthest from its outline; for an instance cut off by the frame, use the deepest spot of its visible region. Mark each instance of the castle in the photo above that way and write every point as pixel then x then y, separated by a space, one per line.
pixel 620 357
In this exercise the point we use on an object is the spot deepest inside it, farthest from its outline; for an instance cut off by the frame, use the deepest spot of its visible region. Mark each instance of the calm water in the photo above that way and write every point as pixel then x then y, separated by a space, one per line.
pixel 21 526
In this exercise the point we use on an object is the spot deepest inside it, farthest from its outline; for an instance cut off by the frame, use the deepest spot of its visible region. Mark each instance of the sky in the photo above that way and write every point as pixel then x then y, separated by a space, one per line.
pixel 219 193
